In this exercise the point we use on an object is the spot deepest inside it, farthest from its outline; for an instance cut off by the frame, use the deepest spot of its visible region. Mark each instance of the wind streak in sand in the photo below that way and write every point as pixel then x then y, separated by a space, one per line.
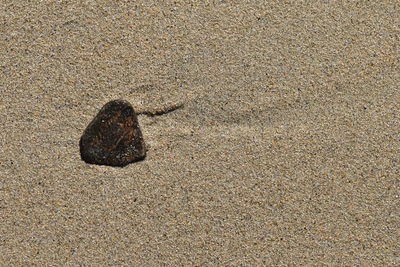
pixel 161 111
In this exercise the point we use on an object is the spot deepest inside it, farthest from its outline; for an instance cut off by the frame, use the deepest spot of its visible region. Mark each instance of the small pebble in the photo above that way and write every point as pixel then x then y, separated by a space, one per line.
pixel 113 137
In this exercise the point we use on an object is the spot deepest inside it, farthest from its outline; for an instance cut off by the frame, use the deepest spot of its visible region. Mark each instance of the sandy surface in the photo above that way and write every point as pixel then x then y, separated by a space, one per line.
pixel 286 152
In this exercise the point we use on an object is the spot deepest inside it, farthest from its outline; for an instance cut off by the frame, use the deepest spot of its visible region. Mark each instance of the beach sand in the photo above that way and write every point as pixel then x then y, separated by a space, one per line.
pixel 286 151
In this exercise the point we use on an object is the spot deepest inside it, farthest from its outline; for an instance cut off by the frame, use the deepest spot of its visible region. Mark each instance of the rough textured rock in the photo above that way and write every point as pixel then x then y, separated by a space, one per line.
pixel 113 137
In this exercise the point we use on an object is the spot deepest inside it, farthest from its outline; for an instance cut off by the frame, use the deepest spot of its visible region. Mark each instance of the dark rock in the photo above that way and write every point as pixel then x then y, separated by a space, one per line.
pixel 113 138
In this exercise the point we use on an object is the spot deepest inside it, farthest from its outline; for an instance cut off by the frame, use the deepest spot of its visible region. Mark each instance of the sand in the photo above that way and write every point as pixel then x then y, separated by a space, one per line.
pixel 286 151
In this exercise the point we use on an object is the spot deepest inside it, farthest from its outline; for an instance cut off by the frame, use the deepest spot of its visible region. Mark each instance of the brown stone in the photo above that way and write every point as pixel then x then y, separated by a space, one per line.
pixel 113 137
